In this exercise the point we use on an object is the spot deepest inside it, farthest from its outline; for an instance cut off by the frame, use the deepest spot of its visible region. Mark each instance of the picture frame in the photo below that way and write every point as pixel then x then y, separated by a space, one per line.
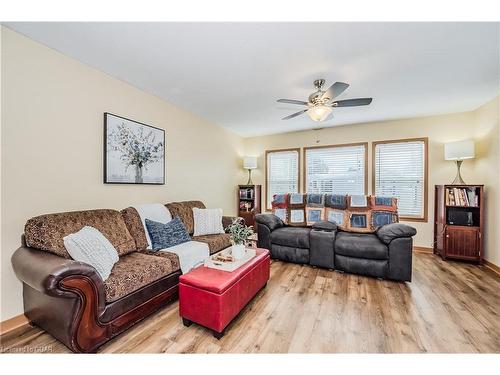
pixel 134 152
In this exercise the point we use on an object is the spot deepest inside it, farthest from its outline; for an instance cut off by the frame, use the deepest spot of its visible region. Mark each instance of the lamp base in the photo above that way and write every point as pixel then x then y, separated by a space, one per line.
pixel 249 182
pixel 458 178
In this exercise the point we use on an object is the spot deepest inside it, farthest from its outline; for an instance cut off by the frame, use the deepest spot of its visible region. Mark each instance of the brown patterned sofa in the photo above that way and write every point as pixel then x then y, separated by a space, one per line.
pixel 69 299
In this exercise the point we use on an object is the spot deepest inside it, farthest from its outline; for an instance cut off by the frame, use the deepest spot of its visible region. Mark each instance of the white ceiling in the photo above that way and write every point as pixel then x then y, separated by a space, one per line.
pixel 232 73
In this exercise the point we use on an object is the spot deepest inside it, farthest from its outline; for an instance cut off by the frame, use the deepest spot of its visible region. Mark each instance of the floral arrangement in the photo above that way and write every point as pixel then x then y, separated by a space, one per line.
pixel 136 149
pixel 239 232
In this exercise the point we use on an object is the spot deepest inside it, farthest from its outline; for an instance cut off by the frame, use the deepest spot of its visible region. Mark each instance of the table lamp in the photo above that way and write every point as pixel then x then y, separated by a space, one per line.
pixel 459 151
pixel 250 162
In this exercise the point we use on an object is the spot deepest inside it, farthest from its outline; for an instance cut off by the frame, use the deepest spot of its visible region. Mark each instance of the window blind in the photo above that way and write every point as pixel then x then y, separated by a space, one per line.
pixel 400 173
pixel 336 170
pixel 282 173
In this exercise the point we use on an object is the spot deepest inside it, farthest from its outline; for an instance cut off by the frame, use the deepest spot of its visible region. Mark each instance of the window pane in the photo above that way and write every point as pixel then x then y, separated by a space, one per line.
pixel 282 173
pixel 399 172
pixel 336 170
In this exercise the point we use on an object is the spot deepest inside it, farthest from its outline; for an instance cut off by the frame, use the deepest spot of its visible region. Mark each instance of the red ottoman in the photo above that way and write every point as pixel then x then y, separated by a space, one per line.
pixel 212 298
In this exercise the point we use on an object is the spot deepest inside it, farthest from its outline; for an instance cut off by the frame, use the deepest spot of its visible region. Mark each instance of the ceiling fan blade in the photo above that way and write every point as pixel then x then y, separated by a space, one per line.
pixel 294 114
pixel 291 101
pixel 335 90
pixel 352 102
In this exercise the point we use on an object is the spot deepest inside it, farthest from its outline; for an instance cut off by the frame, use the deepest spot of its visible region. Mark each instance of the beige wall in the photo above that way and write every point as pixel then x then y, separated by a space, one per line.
pixel 52 147
pixel 487 168
pixel 439 129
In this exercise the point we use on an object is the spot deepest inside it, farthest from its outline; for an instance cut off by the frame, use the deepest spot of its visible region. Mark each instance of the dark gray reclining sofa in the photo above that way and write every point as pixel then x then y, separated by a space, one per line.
pixel 385 254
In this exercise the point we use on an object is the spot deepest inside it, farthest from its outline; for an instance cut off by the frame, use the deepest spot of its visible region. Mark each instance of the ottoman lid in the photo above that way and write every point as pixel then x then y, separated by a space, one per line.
pixel 218 281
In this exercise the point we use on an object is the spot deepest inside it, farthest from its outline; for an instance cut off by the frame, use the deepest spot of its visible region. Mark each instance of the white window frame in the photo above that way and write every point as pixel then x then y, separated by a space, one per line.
pixel 425 173
pixel 268 152
pixel 347 145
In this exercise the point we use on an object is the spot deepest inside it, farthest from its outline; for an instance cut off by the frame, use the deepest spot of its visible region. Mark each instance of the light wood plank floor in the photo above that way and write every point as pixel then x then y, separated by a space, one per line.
pixel 449 307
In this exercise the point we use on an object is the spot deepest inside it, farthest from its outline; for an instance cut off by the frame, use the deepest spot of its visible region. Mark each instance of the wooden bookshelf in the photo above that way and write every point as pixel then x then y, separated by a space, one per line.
pixel 249 202
pixel 459 221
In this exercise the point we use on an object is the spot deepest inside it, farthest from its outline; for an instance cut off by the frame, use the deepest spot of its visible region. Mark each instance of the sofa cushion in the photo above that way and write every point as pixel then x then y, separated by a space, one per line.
pixel 88 245
pixel 139 297
pixel 207 221
pixel 46 232
pixel 173 258
pixel 290 254
pixel 167 235
pixel 215 242
pixel 360 266
pixel 291 236
pixel 134 271
pixel 360 245
pixel 184 211
pixel 135 227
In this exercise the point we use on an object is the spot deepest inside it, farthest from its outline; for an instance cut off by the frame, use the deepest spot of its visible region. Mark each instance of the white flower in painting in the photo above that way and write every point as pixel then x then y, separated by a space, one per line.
pixel 138 149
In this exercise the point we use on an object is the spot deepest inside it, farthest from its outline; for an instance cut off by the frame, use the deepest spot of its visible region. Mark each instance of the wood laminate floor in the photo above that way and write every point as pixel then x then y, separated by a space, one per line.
pixel 448 307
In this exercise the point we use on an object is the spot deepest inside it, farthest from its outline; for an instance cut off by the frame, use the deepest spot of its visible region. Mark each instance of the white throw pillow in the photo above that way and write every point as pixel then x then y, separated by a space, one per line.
pixel 88 245
pixel 207 221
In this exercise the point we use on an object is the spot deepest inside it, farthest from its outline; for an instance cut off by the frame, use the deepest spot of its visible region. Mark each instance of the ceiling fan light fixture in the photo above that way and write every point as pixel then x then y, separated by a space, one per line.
pixel 319 112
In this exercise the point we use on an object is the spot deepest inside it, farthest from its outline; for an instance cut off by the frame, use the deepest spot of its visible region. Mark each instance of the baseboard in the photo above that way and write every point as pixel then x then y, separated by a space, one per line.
pixel 423 249
pixel 492 266
pixel 13 323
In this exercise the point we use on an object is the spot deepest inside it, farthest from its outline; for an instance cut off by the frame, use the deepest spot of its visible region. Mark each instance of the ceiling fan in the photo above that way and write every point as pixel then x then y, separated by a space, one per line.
pixel 320 104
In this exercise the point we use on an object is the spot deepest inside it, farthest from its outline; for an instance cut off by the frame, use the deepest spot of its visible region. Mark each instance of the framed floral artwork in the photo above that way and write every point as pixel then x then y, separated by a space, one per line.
pixel 134 153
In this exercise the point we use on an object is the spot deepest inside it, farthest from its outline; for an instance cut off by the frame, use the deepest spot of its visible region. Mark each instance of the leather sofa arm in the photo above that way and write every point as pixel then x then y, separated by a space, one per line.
pixel 389 232
pixel 44 271
pixel 228 220
pixel 271 221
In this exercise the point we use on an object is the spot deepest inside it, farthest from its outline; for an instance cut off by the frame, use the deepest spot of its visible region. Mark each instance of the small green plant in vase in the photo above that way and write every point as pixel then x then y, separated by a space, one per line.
pixel 240 234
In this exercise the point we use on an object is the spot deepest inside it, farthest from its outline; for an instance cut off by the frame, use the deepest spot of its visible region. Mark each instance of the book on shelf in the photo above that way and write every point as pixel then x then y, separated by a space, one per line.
pixel 466 197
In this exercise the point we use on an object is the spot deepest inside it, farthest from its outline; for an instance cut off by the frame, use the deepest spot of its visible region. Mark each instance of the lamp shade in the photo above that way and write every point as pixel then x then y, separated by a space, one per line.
pixel 459 150
pixel 250 162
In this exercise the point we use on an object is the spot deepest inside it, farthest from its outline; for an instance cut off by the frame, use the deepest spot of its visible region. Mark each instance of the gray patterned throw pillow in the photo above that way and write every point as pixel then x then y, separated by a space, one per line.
pixel 167 235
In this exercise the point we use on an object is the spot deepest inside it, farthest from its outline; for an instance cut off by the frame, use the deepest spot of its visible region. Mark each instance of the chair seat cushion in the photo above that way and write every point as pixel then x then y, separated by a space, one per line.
pixel 135 270
pixel 291 236
pixel 215 242
pixel 360 245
